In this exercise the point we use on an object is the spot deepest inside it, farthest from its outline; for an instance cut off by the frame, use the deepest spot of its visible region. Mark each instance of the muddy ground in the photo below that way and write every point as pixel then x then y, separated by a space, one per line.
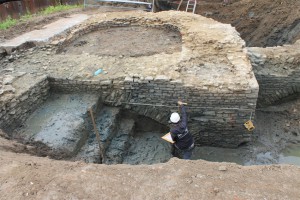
pixel 261 23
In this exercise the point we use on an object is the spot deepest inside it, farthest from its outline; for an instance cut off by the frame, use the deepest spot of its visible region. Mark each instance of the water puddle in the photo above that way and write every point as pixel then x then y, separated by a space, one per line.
pixel 58 112
pixel 216 154
pixel 244 156
pixel 290 155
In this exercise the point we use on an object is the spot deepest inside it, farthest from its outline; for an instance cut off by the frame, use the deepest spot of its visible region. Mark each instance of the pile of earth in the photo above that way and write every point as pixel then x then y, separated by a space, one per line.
pixel 260 23
pixel 27 177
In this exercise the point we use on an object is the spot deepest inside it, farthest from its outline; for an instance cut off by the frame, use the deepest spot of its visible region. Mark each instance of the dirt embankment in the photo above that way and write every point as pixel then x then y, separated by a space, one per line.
pixel 260 23
pixel 27 177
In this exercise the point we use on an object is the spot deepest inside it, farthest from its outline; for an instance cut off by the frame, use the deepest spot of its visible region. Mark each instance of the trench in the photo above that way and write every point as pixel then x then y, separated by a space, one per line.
pixel 63 126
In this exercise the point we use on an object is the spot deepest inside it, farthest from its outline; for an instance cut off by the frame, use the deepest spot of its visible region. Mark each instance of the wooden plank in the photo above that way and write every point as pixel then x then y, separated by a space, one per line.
pixel 102 158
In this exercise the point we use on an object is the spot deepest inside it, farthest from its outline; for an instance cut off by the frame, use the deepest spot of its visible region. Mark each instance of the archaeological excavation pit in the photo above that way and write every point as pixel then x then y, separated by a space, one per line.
pixel 130 69
pixel 162 59
pixel 63 125
pixel 202 62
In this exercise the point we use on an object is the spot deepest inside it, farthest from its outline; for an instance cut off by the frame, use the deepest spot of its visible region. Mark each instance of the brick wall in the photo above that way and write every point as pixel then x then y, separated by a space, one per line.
pixel 212 117
pixel 274 89
pixel 277 72
pixel 216 117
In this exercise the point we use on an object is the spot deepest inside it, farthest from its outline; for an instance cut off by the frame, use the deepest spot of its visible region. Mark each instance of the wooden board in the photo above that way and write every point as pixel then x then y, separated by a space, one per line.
pixel 168 138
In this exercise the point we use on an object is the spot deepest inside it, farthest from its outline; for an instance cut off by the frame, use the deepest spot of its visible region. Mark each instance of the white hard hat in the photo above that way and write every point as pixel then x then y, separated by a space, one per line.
pixel 174 117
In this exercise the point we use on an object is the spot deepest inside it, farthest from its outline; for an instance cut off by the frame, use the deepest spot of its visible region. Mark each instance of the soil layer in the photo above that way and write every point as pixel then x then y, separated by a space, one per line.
pixel 27 177
pixel 115 42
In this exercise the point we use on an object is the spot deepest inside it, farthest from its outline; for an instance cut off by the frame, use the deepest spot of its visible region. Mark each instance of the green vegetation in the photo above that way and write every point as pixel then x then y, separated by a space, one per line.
pixel 9 22
pixel 52 9
pixel 26 17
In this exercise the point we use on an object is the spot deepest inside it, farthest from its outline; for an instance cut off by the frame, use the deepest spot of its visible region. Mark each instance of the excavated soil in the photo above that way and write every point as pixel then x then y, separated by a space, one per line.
pixel 260 23
pixel 28 177
pixel 115 42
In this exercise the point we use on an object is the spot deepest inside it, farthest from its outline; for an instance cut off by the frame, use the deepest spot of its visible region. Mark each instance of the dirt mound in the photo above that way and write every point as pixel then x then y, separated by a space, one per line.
pixel 23 176
pixel 260 23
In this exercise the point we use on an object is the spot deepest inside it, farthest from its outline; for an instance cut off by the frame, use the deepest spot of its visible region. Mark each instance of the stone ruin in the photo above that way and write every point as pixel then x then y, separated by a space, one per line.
pixel 211 71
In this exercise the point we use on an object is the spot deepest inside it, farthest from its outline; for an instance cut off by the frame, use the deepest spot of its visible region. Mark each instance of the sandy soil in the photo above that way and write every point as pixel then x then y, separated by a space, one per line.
pixel 28 177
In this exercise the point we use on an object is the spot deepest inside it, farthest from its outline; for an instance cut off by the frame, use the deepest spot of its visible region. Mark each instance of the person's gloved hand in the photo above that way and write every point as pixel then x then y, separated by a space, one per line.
pixel 180 103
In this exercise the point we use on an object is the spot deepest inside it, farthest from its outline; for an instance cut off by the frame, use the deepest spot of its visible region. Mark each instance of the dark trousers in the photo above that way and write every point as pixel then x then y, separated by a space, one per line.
pixel 185 154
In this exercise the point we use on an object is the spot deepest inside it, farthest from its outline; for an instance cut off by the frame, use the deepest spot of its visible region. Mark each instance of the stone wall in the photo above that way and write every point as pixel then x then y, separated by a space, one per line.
pixel 213 119
pixel 216 117
pixel 15 108
pixel 216 77
pixel 275 89
pixel 110 90
pixel 277 72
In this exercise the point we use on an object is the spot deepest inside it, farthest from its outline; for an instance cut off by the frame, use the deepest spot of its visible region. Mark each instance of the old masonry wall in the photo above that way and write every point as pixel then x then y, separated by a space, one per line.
pixel 277 72
pixel 216 117
pixel 218 105
pixel 20 103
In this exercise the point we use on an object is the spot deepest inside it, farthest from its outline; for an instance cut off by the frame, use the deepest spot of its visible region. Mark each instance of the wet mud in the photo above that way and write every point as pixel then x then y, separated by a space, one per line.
pixel 62 129
pixel 275 139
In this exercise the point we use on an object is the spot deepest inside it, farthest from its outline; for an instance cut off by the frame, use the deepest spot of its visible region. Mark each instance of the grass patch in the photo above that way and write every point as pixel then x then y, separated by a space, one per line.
pixel 52 9
pixel 26 17
pixel 7 23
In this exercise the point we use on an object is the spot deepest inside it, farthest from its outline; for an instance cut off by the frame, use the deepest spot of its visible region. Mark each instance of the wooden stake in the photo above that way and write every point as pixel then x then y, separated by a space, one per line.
pixel 179 4
pixel 102 159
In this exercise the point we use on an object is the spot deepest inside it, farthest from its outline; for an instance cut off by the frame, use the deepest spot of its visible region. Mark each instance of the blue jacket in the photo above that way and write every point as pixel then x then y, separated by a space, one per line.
pixel 180 133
